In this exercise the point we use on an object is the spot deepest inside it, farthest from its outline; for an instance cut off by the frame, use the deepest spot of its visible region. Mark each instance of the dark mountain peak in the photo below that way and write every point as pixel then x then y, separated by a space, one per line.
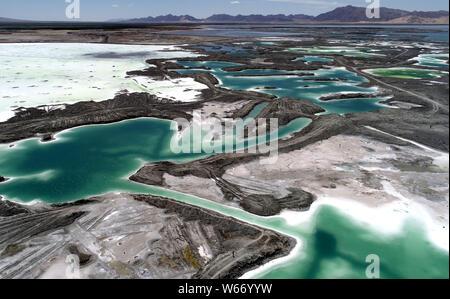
pixel 8 20
pixel 345 14
pixel 169 18
pixel 351 13
pixel 430 14
pixel 258 18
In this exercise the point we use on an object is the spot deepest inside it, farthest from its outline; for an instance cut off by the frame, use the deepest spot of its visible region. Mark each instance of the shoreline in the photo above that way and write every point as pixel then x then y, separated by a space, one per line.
pixel 355 211
pixel 289 216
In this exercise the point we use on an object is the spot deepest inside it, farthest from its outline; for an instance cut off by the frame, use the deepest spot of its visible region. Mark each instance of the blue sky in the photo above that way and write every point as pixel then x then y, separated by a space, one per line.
pixel 100 10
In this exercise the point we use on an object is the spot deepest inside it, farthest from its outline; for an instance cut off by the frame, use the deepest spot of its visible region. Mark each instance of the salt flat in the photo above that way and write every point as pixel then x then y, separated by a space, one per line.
pixel 36 74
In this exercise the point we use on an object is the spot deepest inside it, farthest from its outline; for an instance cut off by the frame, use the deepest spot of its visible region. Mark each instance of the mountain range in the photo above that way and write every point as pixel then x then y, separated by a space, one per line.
pixel 8 20
pixel 347 14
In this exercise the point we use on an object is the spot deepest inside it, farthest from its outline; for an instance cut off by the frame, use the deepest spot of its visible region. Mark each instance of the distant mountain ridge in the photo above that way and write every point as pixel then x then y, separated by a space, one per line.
pixel 358 14
pixel 259 18
pixel 8 20
pixel 346 14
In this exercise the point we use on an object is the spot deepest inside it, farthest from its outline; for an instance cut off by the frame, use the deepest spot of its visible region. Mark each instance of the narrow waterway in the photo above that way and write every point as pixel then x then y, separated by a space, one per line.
pixel 290 84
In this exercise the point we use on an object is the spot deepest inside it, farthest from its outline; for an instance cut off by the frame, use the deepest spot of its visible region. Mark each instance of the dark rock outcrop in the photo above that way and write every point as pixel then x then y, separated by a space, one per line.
pixel 289 109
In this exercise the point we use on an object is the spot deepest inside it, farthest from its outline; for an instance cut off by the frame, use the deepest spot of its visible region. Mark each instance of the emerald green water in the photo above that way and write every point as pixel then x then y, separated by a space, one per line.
pixel 407 73
pixel 337 246
pixel 254 113
pixel 93 160
pixel 83 162
pixel 289 85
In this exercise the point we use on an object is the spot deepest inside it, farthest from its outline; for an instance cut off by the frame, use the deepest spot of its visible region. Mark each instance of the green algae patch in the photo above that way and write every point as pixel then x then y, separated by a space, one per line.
pixel 406 73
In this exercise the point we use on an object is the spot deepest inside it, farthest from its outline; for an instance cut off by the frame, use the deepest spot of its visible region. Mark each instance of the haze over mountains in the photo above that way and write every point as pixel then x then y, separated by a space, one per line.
pixel 8 20
pixel 347 14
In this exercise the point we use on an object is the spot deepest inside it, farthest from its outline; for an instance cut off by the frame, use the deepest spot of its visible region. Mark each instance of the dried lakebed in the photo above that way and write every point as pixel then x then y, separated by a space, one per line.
pixel 59 74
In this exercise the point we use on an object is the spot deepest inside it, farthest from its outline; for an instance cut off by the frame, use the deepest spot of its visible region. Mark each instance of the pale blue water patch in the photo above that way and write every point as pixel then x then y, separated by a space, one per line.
pixel 313 59
pixel 433 60
pixel 288 84
pixel 256 110
pixel 283 132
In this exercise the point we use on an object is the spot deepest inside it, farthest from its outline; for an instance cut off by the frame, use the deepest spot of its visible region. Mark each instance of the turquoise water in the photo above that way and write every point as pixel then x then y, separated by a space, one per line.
pixel 93 160
pixel 84 161
pixel 293 86
pixel 314 59
pixel 434 60
pixel 337 246
pixel 254 113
